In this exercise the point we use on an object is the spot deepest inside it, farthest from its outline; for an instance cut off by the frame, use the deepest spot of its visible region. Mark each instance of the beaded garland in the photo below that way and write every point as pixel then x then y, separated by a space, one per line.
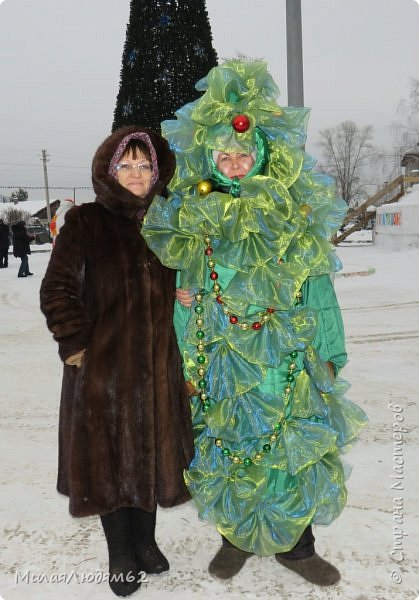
pixel 264 317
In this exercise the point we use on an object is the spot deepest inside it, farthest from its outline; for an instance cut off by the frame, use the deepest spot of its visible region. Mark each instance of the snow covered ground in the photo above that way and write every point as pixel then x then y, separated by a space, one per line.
pixel 46 554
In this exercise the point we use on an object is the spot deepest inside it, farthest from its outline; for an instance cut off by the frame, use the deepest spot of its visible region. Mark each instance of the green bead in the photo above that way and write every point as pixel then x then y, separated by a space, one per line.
pixel 201 359
pixel 294 354
pixel 290 377
pixel 277 428
pixel 202 384
pixel 267 448
pixel 200 334
pixel 226 451
pixel 205 407
pixel 199 309
pixel 247 462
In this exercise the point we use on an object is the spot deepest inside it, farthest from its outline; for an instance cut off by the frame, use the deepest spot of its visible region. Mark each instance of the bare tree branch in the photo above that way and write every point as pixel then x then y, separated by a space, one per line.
pixel 346 150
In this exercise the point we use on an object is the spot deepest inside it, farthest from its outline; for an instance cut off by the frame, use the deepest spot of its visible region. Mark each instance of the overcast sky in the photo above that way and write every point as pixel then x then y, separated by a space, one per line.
pixel 60 62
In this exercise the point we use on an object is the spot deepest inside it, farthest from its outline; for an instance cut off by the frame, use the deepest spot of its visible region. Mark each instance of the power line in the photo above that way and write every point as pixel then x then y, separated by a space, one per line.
pixel 41 187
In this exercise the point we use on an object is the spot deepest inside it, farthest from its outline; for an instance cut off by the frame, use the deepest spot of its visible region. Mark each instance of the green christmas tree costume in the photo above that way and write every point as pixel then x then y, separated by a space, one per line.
pixel 270 422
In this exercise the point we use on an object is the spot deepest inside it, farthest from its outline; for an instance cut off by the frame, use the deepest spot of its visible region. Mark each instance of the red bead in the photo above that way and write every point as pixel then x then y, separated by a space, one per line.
pixel 234 319
pixel 270 310
pixel 219 300
pixel 241 123
pixel 214 275
pixel 209 251
pixel 256 325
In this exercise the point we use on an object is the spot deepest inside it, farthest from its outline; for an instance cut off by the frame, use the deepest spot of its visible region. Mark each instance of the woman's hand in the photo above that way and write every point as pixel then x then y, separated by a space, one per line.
pixel 190 389
pixel 331 368
pixel 185 297
pixel 75 360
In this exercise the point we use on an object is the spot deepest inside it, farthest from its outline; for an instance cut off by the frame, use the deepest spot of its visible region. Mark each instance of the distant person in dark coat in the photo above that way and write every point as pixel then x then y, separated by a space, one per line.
pixel 21 247
pixel 4 244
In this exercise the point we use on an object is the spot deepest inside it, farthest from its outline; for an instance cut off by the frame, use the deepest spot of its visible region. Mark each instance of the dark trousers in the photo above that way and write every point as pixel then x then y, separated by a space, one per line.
pixel 304 548
pixel 4 257
pixel 24 266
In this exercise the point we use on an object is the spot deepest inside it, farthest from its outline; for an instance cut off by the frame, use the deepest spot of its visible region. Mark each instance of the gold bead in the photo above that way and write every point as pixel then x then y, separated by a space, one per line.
pixel 236 460
pixel 204 187
pixel 305 209
pixel 218 442
pixel 203 396
pixel 265 318
pixel 201 347
pixel 211 264
pixel 216 287
pixel 288 389
pixel 226 311
pixel 201 372
pixel 258 456
pixel 292 366
pixel 273 437
pixel 207 239
pixel 244 326
pixel 199 322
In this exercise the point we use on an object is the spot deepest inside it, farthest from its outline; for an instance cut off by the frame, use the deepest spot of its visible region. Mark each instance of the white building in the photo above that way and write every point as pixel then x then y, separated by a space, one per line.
pixel 397 225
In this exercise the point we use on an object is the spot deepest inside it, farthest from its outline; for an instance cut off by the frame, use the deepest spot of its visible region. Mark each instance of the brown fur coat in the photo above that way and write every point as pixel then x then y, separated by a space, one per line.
pixel 125 427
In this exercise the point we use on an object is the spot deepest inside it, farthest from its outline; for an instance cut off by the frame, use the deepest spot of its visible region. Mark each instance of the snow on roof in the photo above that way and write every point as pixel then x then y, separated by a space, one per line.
pixel 30 206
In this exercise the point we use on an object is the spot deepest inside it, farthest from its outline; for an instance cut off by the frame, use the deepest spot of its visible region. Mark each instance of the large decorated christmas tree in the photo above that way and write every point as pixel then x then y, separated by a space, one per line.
pixel 168 48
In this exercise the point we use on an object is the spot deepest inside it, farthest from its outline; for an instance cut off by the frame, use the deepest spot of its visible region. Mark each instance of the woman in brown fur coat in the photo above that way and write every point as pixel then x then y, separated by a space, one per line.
pixel 125 428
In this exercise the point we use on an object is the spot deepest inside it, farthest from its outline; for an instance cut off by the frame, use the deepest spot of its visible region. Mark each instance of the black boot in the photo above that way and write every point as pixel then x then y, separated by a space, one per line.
pixel 124 578
pixel 149 557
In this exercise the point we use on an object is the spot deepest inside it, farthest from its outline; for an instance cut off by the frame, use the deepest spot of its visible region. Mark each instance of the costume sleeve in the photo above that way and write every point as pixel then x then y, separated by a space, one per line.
pixel 330 337
pixel 62 288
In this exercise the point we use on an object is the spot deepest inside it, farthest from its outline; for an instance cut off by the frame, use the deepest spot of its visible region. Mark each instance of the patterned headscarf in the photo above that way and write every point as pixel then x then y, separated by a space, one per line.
pixel 138 135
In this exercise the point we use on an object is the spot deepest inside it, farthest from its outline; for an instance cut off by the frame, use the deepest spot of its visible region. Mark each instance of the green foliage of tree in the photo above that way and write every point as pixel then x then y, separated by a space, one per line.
pixel 168 48
pixel 19 195
pixel 347 151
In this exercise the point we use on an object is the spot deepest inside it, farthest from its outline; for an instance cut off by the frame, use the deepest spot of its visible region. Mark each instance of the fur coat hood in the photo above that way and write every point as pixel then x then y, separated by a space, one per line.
pixel 110 193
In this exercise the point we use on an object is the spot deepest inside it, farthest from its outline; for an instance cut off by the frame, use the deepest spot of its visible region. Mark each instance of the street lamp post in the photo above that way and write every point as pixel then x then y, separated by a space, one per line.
pixel 294 54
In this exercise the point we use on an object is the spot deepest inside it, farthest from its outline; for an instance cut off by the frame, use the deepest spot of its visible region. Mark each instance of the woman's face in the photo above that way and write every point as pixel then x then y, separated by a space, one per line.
pixel 136 179
pixel 234 164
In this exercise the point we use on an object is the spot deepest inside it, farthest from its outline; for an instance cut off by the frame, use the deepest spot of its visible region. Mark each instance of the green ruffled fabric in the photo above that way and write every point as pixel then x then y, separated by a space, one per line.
pixel 290 213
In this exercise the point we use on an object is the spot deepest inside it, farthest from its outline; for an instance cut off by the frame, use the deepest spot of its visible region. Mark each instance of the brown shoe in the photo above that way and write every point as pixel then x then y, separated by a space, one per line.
pixel 314 569
pixel 228 561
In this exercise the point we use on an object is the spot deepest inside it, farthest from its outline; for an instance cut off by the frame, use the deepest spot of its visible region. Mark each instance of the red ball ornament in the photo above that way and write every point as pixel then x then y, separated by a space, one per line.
pixel 256 325
pixel 234 319
pixel 241 123
pixel 219 300
pixel 208 251
pixel 214 276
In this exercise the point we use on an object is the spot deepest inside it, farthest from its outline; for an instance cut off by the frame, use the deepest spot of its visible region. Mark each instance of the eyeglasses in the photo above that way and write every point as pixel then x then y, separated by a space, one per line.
pixel 144 167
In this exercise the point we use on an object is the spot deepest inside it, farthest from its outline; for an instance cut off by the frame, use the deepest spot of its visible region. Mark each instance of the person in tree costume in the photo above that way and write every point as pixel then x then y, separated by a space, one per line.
pixel 248 226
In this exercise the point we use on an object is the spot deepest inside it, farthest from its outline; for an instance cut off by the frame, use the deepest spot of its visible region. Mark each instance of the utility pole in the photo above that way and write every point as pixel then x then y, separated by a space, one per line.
pixel 294 54
pixel 44 161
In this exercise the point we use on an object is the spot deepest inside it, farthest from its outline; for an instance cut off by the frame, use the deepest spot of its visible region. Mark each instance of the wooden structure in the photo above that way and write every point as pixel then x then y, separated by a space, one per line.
pixel 361 215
